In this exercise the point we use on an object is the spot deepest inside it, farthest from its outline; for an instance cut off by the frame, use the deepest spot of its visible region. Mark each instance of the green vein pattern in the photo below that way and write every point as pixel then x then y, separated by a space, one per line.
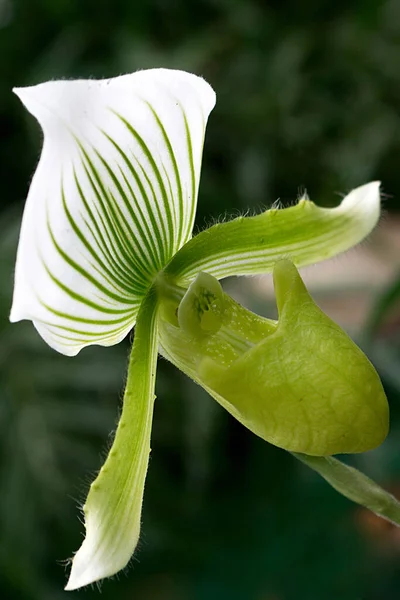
pixel 136 209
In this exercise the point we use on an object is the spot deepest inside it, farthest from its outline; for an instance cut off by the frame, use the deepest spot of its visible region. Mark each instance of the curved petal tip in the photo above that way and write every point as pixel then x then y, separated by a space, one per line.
pixel 365 196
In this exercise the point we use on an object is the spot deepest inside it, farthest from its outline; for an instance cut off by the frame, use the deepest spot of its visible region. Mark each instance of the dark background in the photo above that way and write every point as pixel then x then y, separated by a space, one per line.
pixel 308 96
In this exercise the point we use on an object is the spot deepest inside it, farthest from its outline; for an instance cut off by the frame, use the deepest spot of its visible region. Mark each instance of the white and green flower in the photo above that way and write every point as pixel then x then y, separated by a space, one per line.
pixel 106 245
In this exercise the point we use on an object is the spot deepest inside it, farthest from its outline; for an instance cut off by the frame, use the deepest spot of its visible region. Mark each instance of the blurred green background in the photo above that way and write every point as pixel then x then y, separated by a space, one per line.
pixel 308 96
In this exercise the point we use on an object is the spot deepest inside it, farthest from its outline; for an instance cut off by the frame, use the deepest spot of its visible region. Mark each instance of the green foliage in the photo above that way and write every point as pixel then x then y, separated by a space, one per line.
pixel 307 96
pixel 226 515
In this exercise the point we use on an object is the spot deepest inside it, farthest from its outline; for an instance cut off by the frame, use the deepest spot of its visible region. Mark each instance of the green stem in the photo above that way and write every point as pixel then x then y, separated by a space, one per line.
pixel 354 485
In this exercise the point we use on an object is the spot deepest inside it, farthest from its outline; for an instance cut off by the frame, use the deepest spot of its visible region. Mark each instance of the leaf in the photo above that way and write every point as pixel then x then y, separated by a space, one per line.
pixel 388 299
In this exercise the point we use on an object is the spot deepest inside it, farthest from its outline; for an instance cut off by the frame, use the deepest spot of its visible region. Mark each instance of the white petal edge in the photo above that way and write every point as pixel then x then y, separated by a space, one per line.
pixel 113 198
pixel 305 233
pixel 113 506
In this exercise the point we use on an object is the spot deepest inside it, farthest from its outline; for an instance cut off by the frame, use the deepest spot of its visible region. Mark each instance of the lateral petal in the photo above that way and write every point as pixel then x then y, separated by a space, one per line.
pixel 305 233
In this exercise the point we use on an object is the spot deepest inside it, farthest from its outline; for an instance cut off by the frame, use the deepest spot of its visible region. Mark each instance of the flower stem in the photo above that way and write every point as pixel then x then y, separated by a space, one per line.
pixel 354 485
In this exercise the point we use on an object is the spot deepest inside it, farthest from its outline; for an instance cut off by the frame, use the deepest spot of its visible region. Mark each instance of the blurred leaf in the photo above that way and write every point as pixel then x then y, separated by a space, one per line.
pixel 385 303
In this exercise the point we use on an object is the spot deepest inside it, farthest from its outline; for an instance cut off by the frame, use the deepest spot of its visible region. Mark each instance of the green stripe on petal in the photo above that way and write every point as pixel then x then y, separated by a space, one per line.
pixel 113 506
pixel 304 233
pixel 113 198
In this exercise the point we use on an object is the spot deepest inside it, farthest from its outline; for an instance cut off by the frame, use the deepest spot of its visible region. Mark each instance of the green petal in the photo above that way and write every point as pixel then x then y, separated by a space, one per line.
pixel 113 506
pixel 305 234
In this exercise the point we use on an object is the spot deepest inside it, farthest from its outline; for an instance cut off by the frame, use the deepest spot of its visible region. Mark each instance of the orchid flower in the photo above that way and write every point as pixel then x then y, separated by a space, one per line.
pixel 106 245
